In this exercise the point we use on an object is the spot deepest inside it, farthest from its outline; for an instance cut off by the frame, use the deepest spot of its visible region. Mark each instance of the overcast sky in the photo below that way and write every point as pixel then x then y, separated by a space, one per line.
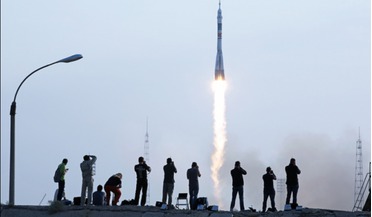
pixel 299 85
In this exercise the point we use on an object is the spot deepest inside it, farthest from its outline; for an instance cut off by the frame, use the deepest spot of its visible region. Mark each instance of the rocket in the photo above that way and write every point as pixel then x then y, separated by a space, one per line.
pixel 219 71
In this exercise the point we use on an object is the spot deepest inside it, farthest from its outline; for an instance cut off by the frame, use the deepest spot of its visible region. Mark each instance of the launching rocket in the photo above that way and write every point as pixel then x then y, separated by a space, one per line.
pixel 219 71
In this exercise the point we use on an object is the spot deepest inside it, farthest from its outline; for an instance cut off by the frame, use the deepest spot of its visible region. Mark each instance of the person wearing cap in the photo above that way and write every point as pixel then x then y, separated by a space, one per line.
pixel 238 185
pixel 113 185
pixel 269 190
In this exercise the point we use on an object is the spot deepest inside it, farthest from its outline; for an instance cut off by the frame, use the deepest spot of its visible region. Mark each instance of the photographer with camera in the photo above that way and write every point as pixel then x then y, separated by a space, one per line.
pixel 87 173
pixel 292 172
pixel 192 175
pixel 238 185
pixel 269 190
pixel 141 170
pixel 168 184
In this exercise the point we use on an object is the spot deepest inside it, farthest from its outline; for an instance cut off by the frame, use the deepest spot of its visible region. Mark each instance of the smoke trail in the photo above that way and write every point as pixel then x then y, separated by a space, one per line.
pixel 219 141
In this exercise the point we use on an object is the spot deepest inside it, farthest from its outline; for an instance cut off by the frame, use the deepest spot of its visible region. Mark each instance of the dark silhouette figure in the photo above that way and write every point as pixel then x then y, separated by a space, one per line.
pixel 141 170
pixel 99 196
pixel 292 181
pixel 168 183
pixel 192 175
pixel 269 190
pixel 61 183
pixel 238 185
pixel 113 185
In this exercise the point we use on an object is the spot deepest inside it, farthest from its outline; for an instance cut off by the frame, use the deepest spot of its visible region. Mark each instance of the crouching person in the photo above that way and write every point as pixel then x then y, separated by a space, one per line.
pixel 113 185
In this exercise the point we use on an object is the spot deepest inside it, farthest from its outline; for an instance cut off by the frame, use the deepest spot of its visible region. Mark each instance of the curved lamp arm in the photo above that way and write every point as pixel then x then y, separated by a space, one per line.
pixel 65 60
pixel 12 126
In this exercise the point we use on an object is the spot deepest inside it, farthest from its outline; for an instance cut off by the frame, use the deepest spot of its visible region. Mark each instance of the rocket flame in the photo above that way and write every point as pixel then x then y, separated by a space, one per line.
pixel 220 139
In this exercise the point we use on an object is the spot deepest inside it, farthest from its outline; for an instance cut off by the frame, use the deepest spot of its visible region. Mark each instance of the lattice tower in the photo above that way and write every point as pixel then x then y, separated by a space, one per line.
pixel 358 171
pixel 147 158
pixel 280 188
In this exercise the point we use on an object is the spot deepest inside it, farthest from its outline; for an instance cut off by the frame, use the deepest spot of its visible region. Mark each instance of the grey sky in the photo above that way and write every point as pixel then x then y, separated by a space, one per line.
pixel 298 76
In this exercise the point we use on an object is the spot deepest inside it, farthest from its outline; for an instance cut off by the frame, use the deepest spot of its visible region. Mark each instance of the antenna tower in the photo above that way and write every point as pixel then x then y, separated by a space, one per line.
pixel 280 188
pixel 147 157
pixel 358 172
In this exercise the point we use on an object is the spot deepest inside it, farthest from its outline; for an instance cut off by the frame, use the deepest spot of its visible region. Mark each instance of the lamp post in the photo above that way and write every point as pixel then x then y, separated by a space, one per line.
pixel 12 125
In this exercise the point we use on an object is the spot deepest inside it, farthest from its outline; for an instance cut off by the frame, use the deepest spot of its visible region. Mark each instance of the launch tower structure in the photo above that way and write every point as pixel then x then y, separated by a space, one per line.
pixel 358 172
pixel 280 188
pixel 147 157
pixel 219 73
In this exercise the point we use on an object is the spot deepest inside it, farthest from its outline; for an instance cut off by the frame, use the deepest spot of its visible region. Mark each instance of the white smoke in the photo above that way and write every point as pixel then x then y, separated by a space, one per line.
pixel 327 169
pixel 326 163
pixel 220 139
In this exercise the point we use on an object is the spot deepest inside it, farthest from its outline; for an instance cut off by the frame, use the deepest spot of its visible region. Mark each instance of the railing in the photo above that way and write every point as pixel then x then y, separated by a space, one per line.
pixel 358 205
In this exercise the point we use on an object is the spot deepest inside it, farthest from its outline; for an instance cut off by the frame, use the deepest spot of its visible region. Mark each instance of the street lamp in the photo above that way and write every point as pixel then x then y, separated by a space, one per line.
pixel 12 125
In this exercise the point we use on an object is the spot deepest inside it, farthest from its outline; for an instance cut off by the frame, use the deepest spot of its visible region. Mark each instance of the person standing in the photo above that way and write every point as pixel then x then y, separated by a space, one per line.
pixel 238 185
pixel 269 190
pixel 141 170
pixel 61 179
pixel 87 173
pixel 168 183
pixel 292 181
pixel 113 185
pixel 99 196
pixel 192 175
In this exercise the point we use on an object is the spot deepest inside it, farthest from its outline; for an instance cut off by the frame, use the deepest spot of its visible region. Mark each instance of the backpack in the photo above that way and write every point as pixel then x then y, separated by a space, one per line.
pixel 57 175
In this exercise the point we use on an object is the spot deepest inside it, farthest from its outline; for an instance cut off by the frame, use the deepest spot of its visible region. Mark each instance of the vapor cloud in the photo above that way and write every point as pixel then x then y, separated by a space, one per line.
pixel 326 164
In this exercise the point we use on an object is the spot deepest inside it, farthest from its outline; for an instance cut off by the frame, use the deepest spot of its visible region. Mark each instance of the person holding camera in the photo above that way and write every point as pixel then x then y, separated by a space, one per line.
pixel 141 170
pixel 87 173
pixel 292 172
pixel 168 183
pixel 192 175
pixel 238 185
pixel 269 190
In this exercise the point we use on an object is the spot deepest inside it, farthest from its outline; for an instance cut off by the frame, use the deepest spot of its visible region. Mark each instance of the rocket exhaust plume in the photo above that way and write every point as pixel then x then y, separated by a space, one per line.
pixel 220 139
pixel 219 113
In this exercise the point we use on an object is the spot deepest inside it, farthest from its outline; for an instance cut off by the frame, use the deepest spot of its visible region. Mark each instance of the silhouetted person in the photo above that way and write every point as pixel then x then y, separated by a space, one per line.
pixel 192 175
pixel 113 185
pixel 269 190
pixel 141 170
pixel 87 173
pixel 238 185
pixel 168 183
pixel 292 181
pixel 61 183
pixel 99 196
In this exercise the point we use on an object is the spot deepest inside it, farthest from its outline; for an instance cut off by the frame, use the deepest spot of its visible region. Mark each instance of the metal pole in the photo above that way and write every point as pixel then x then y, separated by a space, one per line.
pixel 12 126
pixel 12 153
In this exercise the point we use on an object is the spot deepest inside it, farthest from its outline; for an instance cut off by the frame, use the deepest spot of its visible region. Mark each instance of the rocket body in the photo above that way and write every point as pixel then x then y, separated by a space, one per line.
pixel 219 73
